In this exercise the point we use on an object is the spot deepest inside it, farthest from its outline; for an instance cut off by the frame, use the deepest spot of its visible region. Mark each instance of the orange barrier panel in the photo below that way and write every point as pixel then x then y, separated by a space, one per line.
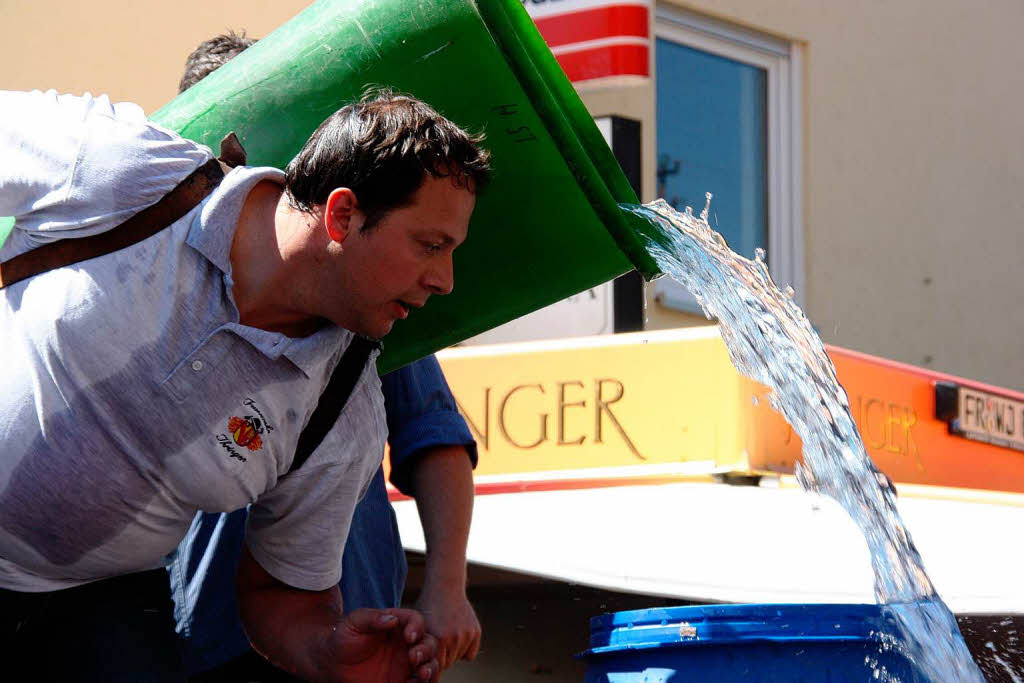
pixel 895 409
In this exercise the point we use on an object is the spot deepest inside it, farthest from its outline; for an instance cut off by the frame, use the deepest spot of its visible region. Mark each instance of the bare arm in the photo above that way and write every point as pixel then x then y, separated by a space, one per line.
pixel 443 489
pixel 307 634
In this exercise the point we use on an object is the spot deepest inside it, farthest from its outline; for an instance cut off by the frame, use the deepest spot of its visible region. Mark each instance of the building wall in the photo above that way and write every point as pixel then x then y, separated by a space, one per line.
pixel 912 172
pixel 912 140
pixel 130 50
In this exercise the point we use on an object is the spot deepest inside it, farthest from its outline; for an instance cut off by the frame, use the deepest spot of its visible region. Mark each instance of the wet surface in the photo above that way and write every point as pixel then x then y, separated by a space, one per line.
pixel 994 641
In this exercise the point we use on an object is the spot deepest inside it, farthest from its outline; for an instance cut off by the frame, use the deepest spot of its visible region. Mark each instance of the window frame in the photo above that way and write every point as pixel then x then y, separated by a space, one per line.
pixel 782 61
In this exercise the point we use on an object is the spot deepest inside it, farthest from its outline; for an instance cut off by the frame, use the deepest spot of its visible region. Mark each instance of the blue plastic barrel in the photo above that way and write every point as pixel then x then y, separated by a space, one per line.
pixel 724 643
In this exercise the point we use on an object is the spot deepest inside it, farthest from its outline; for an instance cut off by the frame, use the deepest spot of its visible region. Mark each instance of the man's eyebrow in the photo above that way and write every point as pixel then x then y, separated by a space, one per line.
pixel 441 236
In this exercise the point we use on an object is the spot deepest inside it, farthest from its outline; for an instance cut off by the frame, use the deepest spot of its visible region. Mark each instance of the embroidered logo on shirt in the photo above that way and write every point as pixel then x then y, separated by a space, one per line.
pixel 249 403
pixel 246 432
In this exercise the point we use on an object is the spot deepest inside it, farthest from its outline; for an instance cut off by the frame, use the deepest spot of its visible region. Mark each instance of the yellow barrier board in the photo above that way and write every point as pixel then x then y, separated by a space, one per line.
pixel 658 406
pixel 611 402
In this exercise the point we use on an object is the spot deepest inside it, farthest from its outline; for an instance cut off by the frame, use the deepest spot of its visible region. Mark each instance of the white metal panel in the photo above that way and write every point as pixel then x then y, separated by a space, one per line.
pixel 720 543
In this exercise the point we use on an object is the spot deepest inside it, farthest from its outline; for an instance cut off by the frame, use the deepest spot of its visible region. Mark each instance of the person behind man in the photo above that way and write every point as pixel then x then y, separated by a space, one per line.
pixel 432 454
pixel 177 374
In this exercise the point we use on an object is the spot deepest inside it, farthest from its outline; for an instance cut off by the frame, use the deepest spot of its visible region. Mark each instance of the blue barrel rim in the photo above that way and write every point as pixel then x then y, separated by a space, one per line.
pixel 730 624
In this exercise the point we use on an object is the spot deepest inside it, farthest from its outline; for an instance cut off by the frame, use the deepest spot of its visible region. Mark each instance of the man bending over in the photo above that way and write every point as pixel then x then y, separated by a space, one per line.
pixel 177 374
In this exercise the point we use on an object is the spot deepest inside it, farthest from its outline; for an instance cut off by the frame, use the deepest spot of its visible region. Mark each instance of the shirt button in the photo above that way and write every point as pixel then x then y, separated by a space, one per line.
pixel 197 365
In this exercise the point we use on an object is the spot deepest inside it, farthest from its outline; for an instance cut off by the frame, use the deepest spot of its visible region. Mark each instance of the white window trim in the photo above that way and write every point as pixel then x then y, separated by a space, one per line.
pixel 783 62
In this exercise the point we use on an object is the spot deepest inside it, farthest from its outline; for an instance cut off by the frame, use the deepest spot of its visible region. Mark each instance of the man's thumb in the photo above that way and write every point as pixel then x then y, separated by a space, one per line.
pixel 372 620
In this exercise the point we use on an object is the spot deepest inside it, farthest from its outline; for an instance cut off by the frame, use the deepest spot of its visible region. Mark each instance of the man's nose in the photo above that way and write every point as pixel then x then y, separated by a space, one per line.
pixel 440 279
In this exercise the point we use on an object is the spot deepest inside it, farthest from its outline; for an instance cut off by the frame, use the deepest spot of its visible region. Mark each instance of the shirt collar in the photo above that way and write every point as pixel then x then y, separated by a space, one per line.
pixel 211 234
pixel 213 227
pixel 312 352
pixel 309 354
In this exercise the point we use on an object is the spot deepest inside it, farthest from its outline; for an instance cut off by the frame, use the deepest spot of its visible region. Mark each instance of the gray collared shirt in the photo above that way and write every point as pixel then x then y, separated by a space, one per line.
pixel 132 396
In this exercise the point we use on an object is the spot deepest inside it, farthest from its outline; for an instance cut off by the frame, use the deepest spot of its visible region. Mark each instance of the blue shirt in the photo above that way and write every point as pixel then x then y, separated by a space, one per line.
pixel 421 414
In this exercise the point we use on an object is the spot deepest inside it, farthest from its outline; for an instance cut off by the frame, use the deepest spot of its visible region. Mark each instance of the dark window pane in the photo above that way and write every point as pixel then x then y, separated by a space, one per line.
pixel 712 122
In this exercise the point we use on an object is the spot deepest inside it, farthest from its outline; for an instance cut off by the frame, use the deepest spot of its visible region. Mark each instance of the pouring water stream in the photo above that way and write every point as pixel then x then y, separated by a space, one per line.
pixel 771 341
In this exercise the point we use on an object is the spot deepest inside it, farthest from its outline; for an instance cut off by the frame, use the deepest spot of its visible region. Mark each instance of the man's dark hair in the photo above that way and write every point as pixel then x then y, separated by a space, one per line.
pixel 210 55
pixel 382 148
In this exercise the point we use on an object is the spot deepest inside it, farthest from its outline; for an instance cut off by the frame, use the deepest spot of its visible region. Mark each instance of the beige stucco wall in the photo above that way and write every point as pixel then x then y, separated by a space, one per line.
pixel 914 150
pixel 913 175
pixel 131 50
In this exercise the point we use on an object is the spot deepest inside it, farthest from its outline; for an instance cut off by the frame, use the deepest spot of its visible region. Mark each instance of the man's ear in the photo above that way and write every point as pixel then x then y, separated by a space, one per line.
pixel 341 214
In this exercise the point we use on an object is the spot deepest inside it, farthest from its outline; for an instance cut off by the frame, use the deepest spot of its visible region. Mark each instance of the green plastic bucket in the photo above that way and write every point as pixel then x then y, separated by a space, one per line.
pixel 6 225
pixel 548 227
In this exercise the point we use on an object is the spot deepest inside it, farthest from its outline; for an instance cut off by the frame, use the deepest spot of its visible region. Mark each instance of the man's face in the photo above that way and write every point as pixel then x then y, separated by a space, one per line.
pixel 399 263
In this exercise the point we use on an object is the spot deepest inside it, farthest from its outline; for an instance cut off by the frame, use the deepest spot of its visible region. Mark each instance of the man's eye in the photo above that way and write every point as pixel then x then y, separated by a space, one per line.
pixel 432 247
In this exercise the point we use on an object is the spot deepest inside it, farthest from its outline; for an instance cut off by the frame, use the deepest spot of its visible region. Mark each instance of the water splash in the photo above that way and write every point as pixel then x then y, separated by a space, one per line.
pixel 770 340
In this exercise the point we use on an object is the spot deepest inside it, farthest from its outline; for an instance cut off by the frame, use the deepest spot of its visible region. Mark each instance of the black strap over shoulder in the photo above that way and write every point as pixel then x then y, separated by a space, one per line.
pixel 334 397
pixel 146 223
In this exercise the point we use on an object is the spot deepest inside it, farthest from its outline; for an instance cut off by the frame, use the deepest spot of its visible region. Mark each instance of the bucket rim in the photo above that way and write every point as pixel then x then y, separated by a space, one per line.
pixel 579 140
pixel 731 624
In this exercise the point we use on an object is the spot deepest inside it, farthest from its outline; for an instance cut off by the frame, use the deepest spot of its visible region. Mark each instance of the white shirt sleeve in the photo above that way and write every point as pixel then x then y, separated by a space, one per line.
pixel 297 530
pixel 72 166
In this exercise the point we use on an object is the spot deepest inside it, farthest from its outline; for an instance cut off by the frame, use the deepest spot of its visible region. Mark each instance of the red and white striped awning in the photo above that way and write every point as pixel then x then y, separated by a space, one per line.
pixel 595 39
